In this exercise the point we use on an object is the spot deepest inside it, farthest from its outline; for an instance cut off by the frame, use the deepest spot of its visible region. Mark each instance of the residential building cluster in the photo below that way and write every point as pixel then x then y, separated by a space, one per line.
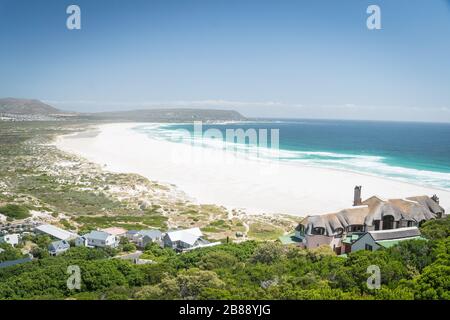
pixel 179 240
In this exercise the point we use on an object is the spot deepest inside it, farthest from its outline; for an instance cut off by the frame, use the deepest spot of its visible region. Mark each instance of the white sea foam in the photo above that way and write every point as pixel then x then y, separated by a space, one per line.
pixel 374 165
pixel 294 185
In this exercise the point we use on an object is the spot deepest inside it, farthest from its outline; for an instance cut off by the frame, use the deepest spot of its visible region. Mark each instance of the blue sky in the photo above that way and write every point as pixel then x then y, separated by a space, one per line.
pixel 312 59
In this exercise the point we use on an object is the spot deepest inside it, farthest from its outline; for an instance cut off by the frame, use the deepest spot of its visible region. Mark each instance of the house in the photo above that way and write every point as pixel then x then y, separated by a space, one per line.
pixel 12 239
pixel 342 229
pixel 143 237
pixel 182 240
pixel 131 234
pixel 55 232
pixel 57 247
pixel 2 250
pixel 116 231
pixel 97 239
pixel 374 240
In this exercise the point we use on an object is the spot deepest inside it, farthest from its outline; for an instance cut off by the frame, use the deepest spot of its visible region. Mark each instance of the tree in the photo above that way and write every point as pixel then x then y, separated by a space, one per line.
pixel 436 229
pixel 214 260
pixel 415 254
pixel 9 253
pixel 193 281
pixel 129 247
pixel 268 252
pixel 39 253
pixel 434 283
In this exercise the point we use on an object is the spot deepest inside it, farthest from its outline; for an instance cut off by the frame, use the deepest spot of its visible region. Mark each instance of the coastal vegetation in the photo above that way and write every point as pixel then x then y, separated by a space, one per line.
pixel 68 191
pixel 13 211
pixel 414 269
pixel 37 179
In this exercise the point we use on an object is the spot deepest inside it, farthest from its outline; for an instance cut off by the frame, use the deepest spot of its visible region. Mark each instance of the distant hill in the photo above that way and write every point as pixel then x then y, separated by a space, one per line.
pixel 26 107
pixel 168 115
pixel 31 109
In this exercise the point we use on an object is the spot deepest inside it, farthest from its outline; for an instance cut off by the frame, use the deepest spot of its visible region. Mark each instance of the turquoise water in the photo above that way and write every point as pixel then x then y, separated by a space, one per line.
pixel 412 152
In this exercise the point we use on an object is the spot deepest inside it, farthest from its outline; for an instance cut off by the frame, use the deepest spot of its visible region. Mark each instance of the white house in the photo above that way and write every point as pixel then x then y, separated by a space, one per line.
pixel 187 239
pixel 374 240
pixel 12 239
pixel 97 239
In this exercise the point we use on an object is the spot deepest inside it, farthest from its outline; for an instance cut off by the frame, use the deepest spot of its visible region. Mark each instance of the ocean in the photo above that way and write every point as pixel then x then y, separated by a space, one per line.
pixel 417 153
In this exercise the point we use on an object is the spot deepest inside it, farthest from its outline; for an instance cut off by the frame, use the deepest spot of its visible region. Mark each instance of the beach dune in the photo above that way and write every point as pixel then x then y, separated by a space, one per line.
pixel 220 177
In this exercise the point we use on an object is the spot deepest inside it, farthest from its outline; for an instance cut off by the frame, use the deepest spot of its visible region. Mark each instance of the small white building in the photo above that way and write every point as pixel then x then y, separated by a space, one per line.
pixel 12 239
pixel 97 239
pixel 187 239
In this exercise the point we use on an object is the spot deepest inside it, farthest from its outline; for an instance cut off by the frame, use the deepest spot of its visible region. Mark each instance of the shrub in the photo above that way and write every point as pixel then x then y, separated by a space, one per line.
pixel 14 211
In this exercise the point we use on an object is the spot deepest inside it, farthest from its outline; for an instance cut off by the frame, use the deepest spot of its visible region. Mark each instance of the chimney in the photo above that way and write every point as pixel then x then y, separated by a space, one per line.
pixel 435 198
pixel 357 196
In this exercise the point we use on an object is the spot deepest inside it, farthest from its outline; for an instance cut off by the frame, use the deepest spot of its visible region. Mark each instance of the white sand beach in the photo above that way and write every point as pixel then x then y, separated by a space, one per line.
pixel 220 177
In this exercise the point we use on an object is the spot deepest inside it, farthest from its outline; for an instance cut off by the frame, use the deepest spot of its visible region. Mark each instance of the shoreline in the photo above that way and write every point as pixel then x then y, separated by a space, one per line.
pixel 237 183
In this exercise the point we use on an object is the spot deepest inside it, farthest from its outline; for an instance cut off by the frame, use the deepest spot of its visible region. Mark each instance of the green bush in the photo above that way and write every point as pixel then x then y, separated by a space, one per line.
pixel 15 212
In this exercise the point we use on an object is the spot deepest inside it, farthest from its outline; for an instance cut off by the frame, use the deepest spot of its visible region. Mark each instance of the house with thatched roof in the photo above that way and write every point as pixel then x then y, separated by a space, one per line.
pixel 342 229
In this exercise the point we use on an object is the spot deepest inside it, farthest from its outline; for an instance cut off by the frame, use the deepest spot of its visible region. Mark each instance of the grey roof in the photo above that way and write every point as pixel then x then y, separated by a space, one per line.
pixel 58 245
pixel 151 233
pixel 14 262
pixel 189 236
pixel 395 233
pixel 132 232
pixel 56 232
pixel 97 235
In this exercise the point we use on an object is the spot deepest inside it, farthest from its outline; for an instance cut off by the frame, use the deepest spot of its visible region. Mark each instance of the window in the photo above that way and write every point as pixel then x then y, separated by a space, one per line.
pixel 318 231
pixel 377 225
pixel 369 247
pixel 388 222
pixel 356 228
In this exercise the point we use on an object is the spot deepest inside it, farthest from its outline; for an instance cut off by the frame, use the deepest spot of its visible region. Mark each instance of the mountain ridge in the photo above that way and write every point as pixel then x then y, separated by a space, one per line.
pixel 26 107
pixel 32 108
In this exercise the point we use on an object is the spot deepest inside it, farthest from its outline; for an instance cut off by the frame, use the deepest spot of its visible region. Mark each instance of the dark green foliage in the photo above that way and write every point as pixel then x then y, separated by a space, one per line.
pixel 129 247
pixel 436 229
pixel 14 211
pixel 414 269
pixel 10 253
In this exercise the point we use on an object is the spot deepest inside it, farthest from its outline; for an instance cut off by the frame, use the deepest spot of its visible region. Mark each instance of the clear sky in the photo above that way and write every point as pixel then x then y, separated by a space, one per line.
pixel 284 58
